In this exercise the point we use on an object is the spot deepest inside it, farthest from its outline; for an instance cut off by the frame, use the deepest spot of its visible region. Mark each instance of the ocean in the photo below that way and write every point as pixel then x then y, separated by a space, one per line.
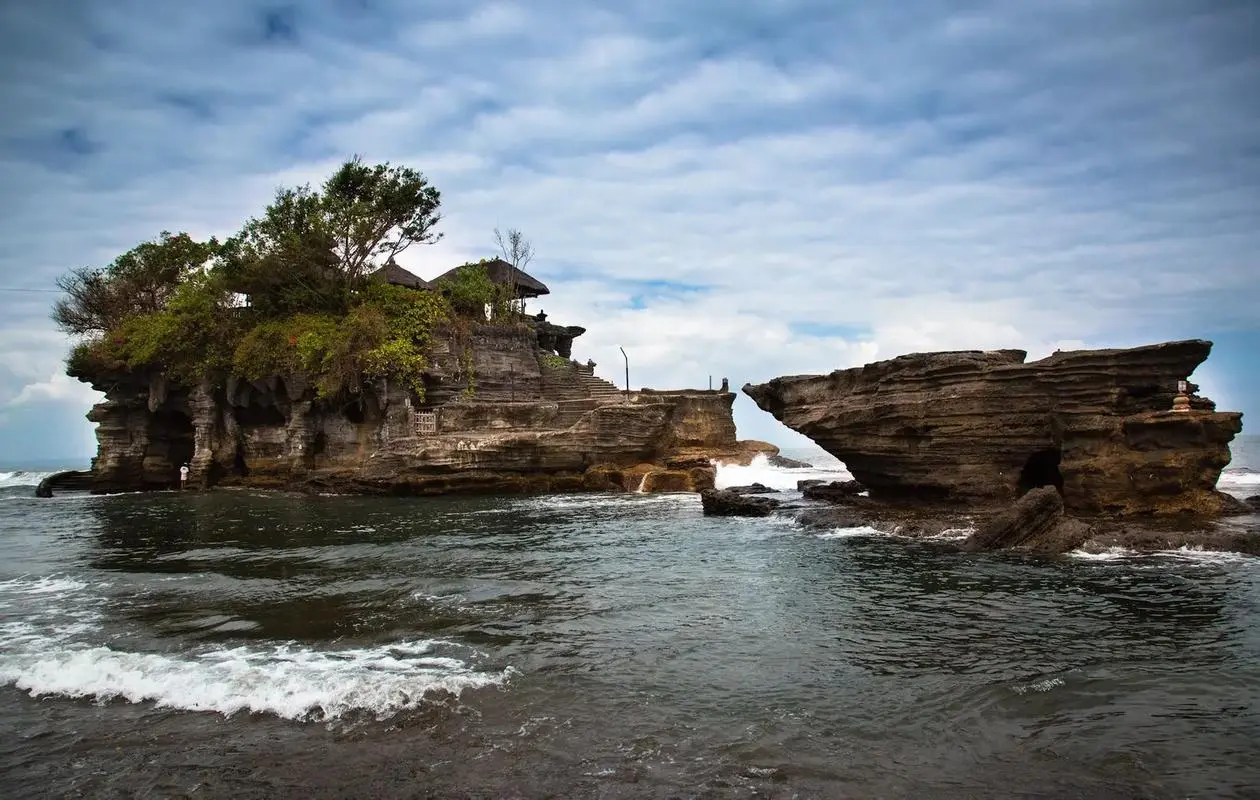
pixel 251 644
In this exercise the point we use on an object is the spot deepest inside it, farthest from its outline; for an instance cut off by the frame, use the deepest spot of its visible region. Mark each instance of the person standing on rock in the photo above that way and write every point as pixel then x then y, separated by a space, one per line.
pixel 183 476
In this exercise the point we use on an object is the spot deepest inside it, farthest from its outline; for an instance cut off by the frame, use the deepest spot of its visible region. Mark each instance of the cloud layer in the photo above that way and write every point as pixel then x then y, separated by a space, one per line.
pixel 739 190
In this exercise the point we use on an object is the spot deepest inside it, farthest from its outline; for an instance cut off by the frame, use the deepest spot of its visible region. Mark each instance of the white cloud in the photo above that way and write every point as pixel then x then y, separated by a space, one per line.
pixel 58 388
pixel 899 180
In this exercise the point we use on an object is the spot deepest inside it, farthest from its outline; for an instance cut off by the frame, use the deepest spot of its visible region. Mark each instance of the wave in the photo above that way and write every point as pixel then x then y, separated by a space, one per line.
pixel 296 683
pixel 23 477
pixel 1185 553
pixel 1239 478
pixel 783 479
pixel 56 649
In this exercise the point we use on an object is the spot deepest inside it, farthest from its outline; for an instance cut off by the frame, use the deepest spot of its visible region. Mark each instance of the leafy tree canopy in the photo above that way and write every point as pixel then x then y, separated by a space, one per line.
pixel 175 303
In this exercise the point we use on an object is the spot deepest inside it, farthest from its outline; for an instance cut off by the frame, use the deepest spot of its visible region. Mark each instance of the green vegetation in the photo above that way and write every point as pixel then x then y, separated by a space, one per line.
pixel 173 304
pixel 554 361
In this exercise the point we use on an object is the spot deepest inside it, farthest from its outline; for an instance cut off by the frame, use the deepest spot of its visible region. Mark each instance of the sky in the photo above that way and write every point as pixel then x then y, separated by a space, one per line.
pixel 727 189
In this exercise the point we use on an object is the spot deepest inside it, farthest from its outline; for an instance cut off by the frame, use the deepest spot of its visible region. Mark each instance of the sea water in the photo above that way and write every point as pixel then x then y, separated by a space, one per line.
pixel 253 644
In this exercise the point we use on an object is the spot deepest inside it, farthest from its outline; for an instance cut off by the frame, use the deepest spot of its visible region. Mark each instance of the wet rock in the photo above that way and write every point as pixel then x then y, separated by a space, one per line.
pixel 1035 522
pixel 70 479
pixel 829 518
pixel 783 462
pixel 725 503
pixel 1253 502
pixel 752 488
pixel 835 491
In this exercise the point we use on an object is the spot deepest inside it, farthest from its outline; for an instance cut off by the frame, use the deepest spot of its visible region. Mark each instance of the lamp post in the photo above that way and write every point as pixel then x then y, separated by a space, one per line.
pixel 627 358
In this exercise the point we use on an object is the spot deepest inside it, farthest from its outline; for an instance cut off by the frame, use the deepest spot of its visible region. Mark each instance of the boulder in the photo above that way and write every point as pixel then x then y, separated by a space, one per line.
pixel 70 479
pixel 1253 502
pixel 725 503
pixel 985 427
pixel 783 462
pixel 752 488
pixel 835 492
pixel 805 484
pixel 1035 522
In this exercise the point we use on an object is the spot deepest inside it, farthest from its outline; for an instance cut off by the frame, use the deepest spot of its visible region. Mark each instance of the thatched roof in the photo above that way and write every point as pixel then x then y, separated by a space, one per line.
pixel 503 273
pixel 392 273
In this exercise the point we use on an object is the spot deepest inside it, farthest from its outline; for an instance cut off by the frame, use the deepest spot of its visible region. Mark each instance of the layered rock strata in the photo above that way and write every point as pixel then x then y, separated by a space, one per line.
pixel 488 422
pixel 986 427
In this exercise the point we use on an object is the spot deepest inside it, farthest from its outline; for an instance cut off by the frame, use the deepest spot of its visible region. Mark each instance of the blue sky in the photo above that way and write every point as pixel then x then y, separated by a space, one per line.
pixel 738 189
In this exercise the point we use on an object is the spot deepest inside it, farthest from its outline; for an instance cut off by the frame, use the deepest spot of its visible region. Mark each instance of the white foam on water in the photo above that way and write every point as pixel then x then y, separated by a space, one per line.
pixel 42 585
pixel 1201 556
pixel 1247 479
pixel 1038 687
pixel 289 681
pixel 1109 554
pixel 22 478
pixel 849 533
pixel 760 471
pixel 56 648
pixel 948 535
pixel 577 502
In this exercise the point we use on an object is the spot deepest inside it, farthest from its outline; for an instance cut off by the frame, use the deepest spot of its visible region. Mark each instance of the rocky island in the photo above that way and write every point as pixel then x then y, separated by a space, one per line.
pixel 298 354
pixel 1048 454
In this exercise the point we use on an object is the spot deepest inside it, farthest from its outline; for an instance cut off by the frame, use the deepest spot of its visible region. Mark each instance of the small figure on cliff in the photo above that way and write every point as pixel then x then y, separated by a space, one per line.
pixel 1181 403
pixel 183 476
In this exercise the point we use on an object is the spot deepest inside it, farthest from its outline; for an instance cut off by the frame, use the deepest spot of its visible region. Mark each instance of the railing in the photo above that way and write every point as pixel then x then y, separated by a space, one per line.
pixel 423 423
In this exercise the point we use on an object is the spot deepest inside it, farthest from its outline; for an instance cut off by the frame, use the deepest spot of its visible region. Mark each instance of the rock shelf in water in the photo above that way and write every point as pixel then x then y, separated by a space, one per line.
pixel 984 428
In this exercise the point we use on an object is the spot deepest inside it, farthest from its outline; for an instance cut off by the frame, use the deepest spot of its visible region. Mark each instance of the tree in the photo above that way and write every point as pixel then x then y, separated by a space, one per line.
pixel 310 250
pixel 516 250
pixel 377 211
pixel 140 281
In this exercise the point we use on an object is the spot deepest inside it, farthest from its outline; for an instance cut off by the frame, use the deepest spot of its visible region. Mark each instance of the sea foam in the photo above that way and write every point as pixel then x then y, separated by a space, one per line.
pixel 761 471
pixel 57 648
pixel 289 681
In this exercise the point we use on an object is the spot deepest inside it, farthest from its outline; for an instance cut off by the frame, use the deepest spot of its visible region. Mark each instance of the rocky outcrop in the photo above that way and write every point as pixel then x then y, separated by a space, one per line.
pixel 70 479
pixel 834 491
pixel 1253 502
pixel 1034 522
pixel 987 427
pixel 485 424
pixel 728 503
pixel 752 488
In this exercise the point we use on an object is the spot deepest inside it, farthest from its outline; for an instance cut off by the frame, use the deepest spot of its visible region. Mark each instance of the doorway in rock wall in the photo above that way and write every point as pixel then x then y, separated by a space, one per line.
pixel 1041 469
pixel 171 434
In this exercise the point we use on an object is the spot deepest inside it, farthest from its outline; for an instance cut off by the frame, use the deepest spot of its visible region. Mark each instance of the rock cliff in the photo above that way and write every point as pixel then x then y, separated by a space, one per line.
pixel 502 413
pixel 987 427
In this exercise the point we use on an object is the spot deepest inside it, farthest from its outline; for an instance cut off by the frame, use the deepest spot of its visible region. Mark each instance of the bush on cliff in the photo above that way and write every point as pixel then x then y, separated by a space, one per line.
pixel 173 304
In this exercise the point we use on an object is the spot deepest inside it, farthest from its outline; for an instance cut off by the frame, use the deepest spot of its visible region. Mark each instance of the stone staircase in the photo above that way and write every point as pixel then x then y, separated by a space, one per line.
pixel 600 390
pixel 575 389
pixel 561 383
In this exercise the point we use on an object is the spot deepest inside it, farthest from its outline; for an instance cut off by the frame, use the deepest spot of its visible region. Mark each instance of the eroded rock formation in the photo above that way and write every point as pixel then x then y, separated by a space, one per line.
pixel 987 427
pixel 499 415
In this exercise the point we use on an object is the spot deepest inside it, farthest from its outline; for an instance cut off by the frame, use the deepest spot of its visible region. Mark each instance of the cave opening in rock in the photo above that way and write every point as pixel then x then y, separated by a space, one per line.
pixel 256 414
pixel 1041 469
pixel 354 412
pixel 171 434
pixel 239 467
pixel 320 445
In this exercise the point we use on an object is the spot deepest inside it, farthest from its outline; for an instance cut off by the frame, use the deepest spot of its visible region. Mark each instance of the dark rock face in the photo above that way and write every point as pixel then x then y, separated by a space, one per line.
pixel 1034 522
pixel 985 426
pixel 835 491
pixel 752 488
pixel 70 479
pixel 1253 502
pixel 725 503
